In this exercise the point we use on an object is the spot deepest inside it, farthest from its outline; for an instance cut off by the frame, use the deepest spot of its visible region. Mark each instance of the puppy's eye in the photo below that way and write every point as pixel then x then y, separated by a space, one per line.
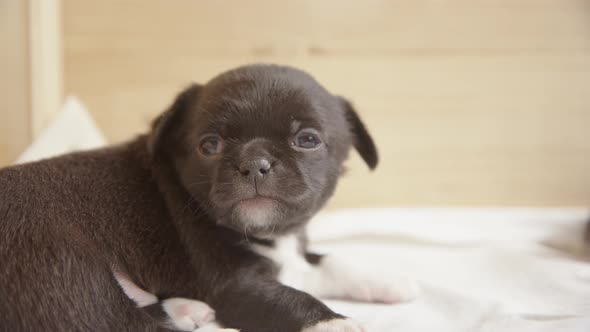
pixel 306 140
pixel 211 145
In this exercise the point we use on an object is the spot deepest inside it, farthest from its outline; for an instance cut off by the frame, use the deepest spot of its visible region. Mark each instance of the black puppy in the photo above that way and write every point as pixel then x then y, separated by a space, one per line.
pixel 211 205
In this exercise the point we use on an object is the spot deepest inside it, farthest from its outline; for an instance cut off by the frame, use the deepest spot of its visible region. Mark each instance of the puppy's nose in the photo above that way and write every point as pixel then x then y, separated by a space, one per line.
pixel 257 167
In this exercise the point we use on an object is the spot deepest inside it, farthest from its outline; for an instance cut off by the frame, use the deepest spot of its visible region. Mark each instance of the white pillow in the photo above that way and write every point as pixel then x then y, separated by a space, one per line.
pixel 71 130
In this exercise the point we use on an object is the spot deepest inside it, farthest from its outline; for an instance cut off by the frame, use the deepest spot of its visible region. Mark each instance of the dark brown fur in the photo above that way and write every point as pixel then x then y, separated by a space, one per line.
pixel 66 223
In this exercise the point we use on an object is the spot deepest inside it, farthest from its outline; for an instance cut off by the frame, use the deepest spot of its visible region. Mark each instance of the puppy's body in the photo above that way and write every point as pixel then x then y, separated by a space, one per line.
pixel 65 223
pixel 248 158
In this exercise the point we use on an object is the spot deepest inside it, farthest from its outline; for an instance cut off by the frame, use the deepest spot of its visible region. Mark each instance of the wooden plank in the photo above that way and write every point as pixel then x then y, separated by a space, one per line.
pixel 471 102
pixel 46 67
pixel 14 80
pixel 297 27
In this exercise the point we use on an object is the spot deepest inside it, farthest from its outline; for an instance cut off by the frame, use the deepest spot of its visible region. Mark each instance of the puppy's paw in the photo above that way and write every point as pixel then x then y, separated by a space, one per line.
pixel 187 315
pixel 336 325
pixel 378 291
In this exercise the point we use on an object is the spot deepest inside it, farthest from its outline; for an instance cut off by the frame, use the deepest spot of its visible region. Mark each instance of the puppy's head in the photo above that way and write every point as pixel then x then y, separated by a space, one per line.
pixel 260 147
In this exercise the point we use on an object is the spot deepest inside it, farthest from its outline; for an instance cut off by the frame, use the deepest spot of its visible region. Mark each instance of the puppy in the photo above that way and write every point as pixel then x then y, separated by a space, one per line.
pixel 210 205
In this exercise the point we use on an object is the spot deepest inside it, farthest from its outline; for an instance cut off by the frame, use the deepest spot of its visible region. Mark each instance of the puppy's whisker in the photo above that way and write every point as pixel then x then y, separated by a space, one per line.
pixel 233 215
pixel 196 183
pixel 246 233
pixel 202 175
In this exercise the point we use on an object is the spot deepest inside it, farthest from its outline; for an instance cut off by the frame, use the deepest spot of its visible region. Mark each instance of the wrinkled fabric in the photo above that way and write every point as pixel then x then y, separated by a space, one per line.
pixel 480 269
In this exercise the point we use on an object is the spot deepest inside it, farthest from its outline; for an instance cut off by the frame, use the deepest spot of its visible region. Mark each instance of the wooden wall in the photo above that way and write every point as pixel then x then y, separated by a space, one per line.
pixel 472 102
pixel 31 71
pixel 15 128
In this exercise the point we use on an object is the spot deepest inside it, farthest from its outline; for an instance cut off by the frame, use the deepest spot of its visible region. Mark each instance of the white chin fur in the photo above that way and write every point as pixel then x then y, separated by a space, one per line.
pixel 336 325
pixel 258 217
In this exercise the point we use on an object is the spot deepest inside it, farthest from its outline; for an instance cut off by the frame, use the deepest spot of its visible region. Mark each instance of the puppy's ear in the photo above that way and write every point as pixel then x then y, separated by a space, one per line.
pixel 362 141
pixel 163 125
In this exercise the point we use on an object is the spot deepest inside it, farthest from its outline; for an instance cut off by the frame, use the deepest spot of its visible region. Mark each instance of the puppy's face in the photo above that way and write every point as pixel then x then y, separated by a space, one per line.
pixel 261 147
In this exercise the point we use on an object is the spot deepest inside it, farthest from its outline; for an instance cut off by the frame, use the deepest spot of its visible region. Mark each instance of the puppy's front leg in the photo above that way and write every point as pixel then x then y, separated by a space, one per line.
pixel 258 305
pixel 332 278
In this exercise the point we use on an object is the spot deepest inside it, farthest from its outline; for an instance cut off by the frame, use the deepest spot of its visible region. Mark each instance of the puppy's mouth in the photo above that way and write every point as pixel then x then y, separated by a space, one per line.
pixel 257 201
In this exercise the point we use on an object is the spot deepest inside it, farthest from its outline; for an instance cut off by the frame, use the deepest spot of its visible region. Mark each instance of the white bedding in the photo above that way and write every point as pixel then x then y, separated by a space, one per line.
pixel 480 269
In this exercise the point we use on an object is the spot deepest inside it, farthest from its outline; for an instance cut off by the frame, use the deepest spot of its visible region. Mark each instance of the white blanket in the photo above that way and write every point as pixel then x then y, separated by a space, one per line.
pixel 480 269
